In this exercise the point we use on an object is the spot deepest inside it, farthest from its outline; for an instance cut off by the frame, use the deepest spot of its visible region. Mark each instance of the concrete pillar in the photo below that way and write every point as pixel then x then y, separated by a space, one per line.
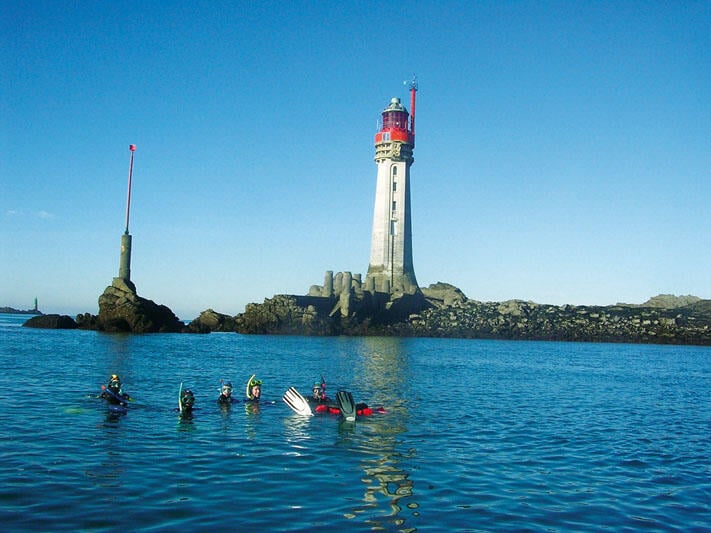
pixel 328 284
pixel 370 284
pixel 345 301
pixel 125 260
pixel 347 281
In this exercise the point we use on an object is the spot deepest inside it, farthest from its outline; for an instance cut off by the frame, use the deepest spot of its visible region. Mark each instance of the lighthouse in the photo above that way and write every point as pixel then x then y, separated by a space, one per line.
pixel 390 269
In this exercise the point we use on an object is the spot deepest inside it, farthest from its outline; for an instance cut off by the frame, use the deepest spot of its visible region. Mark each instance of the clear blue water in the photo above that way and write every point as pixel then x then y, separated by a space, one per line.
pixel 479 435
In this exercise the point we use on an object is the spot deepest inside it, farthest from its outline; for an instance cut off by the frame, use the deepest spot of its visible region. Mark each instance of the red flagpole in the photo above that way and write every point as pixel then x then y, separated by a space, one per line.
pixel 132 148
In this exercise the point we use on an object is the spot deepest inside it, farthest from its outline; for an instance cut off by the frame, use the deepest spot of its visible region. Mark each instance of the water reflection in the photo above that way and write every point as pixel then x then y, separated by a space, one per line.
pixel 186 422
pixel 252 408
pixel 252 420
pixel 109 474
pixel 297 430
pixel 392 482
pixel 111 469
pixel 345 430
pixel 117 348
pixel 113 417
pixel 385 371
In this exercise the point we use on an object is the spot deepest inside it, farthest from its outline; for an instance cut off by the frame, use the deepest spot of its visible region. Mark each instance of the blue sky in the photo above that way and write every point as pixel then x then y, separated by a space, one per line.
pixel 563 148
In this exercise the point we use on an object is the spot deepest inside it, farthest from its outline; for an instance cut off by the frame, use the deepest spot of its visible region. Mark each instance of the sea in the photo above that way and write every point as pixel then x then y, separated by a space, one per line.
pixel 476 435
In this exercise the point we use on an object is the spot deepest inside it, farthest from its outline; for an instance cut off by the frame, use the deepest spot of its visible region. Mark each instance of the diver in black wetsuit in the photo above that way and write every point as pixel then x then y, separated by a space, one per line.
pixel 318 394
pixel 323 404
pixel 187 400
pixel 112 392
pixel 225 398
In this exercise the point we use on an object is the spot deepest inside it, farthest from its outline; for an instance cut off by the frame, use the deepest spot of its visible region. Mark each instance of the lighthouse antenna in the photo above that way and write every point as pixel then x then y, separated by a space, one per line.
pixel 132 148
pixel 412 84
pixel 413 91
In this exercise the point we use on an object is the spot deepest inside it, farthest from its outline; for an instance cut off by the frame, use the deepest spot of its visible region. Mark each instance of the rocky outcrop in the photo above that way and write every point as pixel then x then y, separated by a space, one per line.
pixel 51 322
pixel 449 313
pixel 669 301
pixel 440 310
pixel 13 311
pixel 444 295
pixel 122 310
pixel 521 320
pixel 210 320
pixel 282 314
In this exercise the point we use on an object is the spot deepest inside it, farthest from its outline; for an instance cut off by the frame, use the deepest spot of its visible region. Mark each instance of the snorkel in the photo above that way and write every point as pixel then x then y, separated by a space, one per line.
pixel 250 392
pixel 319 390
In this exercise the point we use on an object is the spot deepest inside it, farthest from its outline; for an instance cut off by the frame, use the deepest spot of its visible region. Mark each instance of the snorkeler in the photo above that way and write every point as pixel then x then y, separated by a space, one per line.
pixel 318 393
pixel 225 397
pixel 186 401
pixel 254 389
pixel 113 393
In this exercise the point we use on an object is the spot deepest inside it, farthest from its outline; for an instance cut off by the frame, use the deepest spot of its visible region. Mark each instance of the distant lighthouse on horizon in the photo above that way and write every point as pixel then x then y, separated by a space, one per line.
pixel 390 269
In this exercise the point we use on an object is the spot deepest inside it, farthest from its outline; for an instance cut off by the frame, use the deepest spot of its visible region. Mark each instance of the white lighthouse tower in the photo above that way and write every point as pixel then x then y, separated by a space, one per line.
pixel 390 269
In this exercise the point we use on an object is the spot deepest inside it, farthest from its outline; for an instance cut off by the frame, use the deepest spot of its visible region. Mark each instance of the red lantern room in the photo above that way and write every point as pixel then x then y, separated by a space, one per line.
pixel 395 124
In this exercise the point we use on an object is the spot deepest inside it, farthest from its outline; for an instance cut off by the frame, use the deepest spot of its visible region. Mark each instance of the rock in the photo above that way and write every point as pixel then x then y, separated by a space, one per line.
pixel 87 321
pixel 443 311
pixel 670 301
pixel 13 311
pixel 122 310
pixel 530 321
pixel 283 314
pixel 210 320
pixel 513 307
pixel 444 295
pixel 51 322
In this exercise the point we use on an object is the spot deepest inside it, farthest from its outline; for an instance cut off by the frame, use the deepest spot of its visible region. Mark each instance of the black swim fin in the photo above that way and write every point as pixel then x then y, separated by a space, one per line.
pixel 346 405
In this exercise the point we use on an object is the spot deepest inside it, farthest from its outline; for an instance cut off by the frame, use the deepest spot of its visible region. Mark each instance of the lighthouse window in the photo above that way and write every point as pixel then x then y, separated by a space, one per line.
pixel 394 171
pixel 394 186
pixel 386 136
pixel 393 228
pixel 394 206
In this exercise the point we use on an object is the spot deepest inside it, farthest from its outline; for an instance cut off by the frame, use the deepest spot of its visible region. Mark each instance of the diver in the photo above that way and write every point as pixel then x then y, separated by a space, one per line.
pixel 254 389
pixel 323 404
pixel 113 393
pixel 225 398
pixel 187 400
pixel 318 393
pixel 361 408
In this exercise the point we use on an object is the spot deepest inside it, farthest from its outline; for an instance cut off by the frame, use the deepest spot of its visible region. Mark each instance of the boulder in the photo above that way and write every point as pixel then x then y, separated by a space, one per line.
pixel 670 301
pixel 210 320
pixel 283 314
pixel 444 295
pixel 51 322
pixel 87 321
pixel 122 310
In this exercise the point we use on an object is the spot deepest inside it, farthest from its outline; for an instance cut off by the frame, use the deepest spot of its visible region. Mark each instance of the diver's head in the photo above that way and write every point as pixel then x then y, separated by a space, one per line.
pixel 114 383
pixel 255 389
pixel 227 389
pixel 187 398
